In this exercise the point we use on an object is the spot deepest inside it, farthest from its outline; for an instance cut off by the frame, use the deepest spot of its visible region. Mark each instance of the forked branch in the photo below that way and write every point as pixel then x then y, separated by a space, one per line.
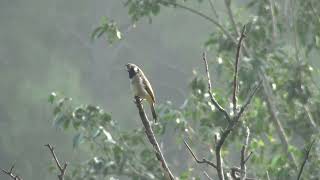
pixel 212 98
pixel 203 161
pixel 61 168
pixel 11 173
pixel 236 69
pixel 237 115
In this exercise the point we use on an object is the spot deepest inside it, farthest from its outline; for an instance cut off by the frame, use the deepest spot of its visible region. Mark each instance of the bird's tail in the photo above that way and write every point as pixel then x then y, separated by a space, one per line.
pixel 153 112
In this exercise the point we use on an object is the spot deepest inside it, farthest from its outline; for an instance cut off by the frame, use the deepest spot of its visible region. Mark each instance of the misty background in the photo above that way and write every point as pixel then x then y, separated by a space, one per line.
pixel 45 46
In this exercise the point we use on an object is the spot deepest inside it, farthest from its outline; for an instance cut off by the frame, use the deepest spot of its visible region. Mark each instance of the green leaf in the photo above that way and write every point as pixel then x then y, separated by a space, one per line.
pixel 66 123
pixel 155 9
pixel 106 117
pixel 59 120
pixel 95 32
pixel 77 139
pixel 52 97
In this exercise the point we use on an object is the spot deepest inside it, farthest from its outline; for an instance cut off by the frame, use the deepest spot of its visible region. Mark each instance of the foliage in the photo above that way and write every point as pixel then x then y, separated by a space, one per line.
pixel 280 45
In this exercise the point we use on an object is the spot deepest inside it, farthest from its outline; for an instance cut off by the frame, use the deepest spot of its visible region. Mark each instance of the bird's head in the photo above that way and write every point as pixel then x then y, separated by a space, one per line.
pixel 132 69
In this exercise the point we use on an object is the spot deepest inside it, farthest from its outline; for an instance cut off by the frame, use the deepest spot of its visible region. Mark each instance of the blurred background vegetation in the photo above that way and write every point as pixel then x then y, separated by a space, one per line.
pixel 55 46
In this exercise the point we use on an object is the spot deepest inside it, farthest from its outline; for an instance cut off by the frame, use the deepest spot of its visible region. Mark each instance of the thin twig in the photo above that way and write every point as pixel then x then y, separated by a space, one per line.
pixel 213 100
pixel 229 11
pixel 305 159
pixel 213 9
pixel 248 157
pixel 247 102
pixel 174 4
pixel 207 175
pixel 152 139
pixel 11 173
pixel 63 168
pixel 274 21
pixel 203 161
pixel 268 177
pixel 237 67
pixel 243 172
pixel 310 117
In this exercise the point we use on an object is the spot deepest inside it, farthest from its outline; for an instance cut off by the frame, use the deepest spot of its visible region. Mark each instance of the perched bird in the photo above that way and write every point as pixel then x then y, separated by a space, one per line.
pixel 141 86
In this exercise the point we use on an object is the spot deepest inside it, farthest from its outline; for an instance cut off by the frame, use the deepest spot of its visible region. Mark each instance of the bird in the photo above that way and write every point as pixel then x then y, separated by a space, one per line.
pixel 141 86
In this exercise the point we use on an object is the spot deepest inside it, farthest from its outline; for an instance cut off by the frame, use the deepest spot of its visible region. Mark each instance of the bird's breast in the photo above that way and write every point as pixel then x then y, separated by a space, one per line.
pixel 137 87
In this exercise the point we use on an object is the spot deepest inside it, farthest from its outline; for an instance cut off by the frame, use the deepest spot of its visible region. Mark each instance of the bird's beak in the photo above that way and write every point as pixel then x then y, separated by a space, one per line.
pixel 126 67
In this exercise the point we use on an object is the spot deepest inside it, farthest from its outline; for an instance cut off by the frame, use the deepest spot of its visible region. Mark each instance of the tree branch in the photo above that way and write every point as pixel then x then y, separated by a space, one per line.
pixel 248 157
pixel 203 16
pixel 231 122
pixel 305 159
pixel 213 9
pixel 233 23
pixel 274 21
pixel 203 161
pixel 63 168
pixel 207 175
pixel 243 172
pixel 236 69
pixel 213 100
pixel 274 117
pixel 11 173
pixel 152 139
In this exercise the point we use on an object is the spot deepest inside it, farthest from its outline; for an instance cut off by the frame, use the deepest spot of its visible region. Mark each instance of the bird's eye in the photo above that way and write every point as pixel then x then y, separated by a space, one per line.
pixel 135 69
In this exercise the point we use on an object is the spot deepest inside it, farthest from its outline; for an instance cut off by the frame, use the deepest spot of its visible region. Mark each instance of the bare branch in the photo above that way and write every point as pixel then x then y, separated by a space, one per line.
pixel 213 9
pixel 207 175
pixel 203 161
pixel 274 20
pixel 248 157
pixel 213 21
pixel 229 11
pixel 11 173
pixel 247 102
pixel 152 139
pixel 243 172
pixel 213 100
pixel 63 168
pixel 305 159
pixel 310 117
pixel 236 69
pixel 268 177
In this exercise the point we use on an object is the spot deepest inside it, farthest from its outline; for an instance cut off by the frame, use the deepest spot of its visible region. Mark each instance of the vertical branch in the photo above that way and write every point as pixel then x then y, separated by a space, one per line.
pixel 274 20
pixel 152 139
pixel 243 172
pixel 213 9
pixel 236 67
pixel 61 168
pixel 305 159
pixel 229 11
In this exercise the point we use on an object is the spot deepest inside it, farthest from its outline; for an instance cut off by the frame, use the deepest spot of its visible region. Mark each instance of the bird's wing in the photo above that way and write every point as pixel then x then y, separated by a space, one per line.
pixel 148 87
